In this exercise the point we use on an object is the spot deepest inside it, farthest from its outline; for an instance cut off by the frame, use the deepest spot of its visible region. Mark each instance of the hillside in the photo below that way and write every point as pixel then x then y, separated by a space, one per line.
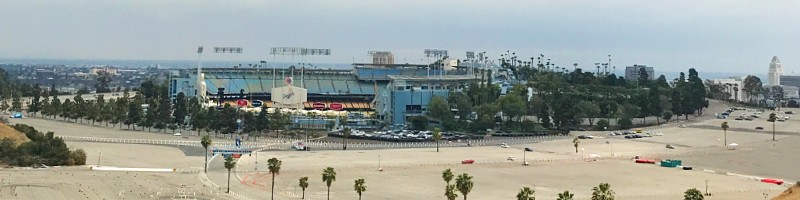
pixel 9 132
pixel 790 194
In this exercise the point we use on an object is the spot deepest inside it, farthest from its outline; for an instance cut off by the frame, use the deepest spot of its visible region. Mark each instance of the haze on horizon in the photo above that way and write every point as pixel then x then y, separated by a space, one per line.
pixel 713 35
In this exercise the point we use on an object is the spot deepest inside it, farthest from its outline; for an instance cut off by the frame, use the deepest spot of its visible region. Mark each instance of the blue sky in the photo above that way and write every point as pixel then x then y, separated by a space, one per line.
pixel 711 35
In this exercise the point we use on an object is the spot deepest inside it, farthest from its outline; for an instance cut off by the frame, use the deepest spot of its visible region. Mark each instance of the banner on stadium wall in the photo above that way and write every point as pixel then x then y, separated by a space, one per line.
pixel 336 106
pixel 318 106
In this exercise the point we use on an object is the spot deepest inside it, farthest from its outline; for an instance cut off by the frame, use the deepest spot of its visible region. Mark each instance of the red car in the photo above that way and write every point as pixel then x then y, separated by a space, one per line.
pixel 467 161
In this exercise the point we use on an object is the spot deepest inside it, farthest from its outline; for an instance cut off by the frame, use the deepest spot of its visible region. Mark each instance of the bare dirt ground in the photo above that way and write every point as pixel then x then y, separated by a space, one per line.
pixel 416 173
pixel 82 183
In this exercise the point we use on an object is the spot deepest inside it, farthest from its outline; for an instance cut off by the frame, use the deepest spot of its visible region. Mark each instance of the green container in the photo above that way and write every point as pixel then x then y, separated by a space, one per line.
pixel 670 163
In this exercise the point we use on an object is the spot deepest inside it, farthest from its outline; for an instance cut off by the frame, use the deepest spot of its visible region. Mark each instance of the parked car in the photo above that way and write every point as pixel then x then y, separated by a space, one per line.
pixel 585 137
pixel 789 112
pixel 759 128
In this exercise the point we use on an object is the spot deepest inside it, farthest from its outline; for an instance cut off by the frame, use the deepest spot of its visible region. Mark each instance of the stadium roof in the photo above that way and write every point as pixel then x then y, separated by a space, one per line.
pixel 425 78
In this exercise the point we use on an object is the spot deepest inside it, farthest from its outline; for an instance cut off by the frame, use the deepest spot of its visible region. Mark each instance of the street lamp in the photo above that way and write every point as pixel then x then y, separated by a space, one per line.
pixel 524 160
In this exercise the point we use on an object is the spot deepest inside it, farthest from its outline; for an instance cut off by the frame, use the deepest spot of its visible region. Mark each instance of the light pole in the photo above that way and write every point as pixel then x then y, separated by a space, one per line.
pixel 379 163
pixel 612 148
pixel 524 157
pixel 707 194
pixel 99 153
pixel 256 161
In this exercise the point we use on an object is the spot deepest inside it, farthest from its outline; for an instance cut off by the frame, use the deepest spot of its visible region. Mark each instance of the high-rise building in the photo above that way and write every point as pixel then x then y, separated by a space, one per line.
pixel 775 71
pixel 632 72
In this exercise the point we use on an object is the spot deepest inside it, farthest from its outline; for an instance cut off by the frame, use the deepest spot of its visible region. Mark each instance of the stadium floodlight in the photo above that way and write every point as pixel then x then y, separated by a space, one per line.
pixel 435 53
pixel 470 55
pixel 227 49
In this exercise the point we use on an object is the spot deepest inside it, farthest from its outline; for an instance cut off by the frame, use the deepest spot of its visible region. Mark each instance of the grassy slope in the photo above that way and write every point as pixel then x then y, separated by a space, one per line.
pixel 9 132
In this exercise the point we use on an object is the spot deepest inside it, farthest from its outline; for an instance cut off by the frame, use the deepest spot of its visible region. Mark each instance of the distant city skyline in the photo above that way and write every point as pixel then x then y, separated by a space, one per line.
pixel 715 35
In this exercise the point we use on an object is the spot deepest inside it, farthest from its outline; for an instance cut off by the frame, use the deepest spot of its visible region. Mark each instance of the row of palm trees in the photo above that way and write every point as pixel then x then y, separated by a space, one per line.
pixel 463 183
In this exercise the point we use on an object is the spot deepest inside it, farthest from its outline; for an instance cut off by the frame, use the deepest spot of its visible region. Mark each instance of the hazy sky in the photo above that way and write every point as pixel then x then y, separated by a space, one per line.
pixel 671 35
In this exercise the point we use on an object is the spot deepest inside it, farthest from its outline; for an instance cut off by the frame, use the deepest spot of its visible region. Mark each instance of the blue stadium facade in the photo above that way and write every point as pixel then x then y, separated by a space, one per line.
pixel 394 91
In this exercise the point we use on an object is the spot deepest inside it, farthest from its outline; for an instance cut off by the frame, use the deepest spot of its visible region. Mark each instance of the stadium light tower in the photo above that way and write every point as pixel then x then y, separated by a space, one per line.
pixel 199 91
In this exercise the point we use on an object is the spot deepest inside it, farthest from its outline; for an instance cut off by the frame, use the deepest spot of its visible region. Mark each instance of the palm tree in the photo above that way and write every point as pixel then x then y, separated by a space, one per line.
pixel 206 142
pixel 437 135
pixel 304 184
pixel 725 131
pixel 274 166
pixel 772 119
pixel 464 184
pixel 693 194
pixel 450 192
pixel 736 93
pixel 576 142
pixel 565 196
pixel 525 194
pixel 229 164
pixel 602 192
pixel 328 176
pixel 345 135
pixel 360 187
pixel 447 175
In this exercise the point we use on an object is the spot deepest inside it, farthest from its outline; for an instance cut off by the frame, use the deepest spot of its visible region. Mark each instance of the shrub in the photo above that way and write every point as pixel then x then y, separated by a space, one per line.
pixel 78 156
pixel 625 123
pixel 602 124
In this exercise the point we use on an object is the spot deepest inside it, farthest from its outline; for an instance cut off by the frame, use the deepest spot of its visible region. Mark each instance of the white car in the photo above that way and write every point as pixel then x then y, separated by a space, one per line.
pixel 177 134
pixel 504 145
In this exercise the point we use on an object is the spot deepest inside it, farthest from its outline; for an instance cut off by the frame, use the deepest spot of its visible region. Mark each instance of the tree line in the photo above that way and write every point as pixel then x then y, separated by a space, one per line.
pixel 563 100
pixel 152 108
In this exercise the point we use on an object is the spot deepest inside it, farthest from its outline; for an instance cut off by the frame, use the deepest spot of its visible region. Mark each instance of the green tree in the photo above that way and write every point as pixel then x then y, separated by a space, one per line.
pixel 464 184
pixel 418 122
pixel 437 136
pixel 80 107
pixel 587 109
pixel 512 105
pixel 229 164
pixel 565 196
pixel 602 192
pixel 16 103
pixel 602 124
pixel 693 194
pixel 134 111
pixel 440 110
pixel 329 176
pixel 274 166
pixel 772 118
pixel 121 110
pixel 303 185
pixel 360 187
pixel 725 131
pixel 206 142
pixel 66 109
pixel 181 109
pixel 643 78
pixel 164 115
pixel 625 122
pixel 526 193
pixel 450 192
pixel 36 104
pixel 666 115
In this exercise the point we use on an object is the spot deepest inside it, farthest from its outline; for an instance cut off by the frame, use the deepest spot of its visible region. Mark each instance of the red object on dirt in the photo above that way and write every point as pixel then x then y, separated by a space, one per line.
pixel 336 106
pixel 645 161
pixel 237 155
pixel 773 181
pixel 467 161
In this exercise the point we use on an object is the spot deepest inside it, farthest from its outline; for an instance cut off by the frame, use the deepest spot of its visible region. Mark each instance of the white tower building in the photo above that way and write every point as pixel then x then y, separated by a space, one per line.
pixel 775 71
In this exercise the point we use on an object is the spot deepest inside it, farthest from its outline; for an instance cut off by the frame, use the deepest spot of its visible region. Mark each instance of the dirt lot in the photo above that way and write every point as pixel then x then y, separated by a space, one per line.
pixel 416 173
pixel 82 183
